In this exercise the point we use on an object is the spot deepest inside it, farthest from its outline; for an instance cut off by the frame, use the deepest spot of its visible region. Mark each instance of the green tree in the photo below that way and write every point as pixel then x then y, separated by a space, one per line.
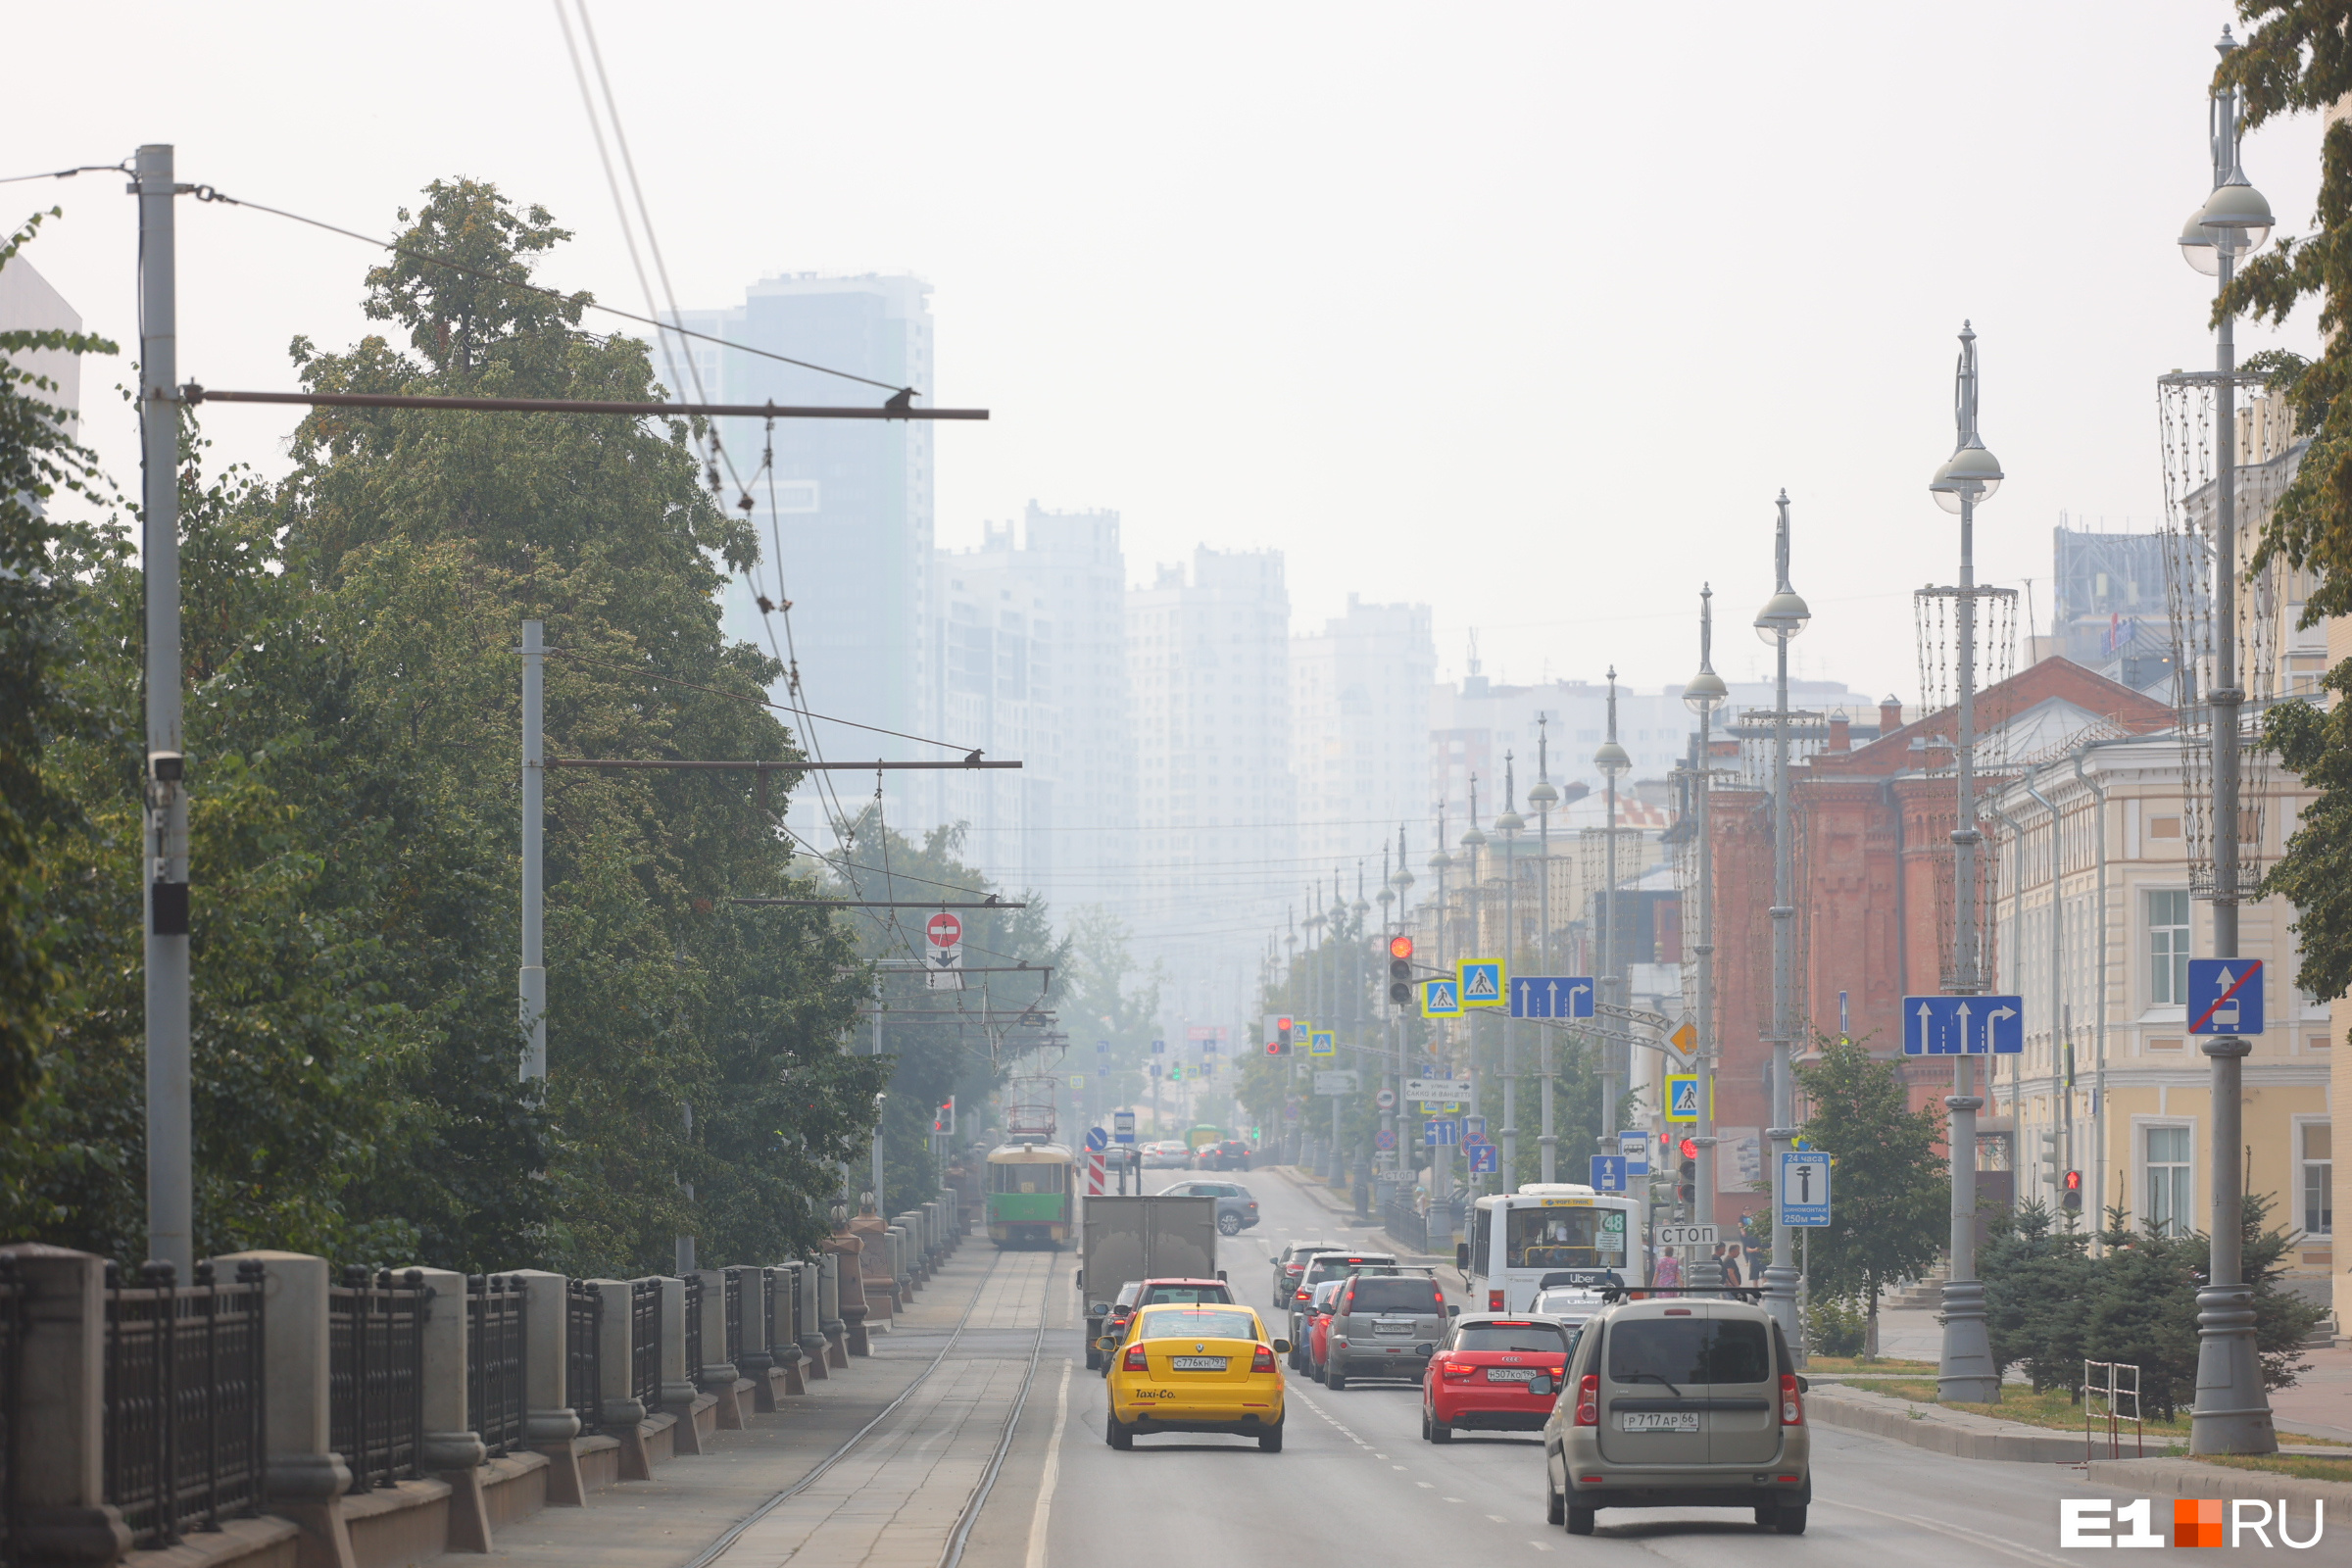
pixel 2037 1274
pixel 1893 1190
pixel 38 597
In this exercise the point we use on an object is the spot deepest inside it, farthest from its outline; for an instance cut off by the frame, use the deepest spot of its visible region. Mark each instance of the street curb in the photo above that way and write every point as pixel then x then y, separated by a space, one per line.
pixel 1323 1198
pixel 1958 1433
pixel 2187 1478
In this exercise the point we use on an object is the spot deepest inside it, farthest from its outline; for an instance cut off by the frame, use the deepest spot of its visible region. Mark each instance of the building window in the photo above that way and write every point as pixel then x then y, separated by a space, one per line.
pixel 2168 949
pixel 2318 1180
pixel 2169 1191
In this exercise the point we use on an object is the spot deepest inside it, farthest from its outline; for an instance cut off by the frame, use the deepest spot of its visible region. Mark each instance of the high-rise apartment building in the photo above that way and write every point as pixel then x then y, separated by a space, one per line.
pixel 1216 844
pixel 846 524
pixel 1360 718
pixel 1032 659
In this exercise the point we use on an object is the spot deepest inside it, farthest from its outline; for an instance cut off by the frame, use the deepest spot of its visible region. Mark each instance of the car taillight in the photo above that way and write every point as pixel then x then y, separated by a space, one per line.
pixel 1792 1404
pixel 1587 1401
pixel 1135 1360
pixel 1263 1360
pixel 1493 1301
pixel 1453 1371
pixel 1350 1300
pixel 1301 1297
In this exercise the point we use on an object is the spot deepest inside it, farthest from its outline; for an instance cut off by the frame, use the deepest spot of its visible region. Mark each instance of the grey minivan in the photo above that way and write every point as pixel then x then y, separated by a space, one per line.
pixel 1384 1326
pixel 1324 1266
pixel 1680 1401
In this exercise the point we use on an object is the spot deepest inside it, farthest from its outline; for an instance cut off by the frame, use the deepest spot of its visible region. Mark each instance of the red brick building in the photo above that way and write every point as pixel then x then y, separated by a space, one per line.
pixel 1873 872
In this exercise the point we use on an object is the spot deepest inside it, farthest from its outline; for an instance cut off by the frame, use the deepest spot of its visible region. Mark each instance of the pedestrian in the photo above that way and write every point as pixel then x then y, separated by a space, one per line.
pixel 1669 1273
pixel 1731 1271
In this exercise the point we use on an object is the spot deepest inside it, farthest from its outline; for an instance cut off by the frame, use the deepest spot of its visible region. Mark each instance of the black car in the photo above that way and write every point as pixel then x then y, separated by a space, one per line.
pixel 1230 1154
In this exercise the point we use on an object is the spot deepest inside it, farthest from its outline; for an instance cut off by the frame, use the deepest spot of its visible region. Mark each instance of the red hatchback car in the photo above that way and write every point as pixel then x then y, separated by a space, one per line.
pixel 1494 1373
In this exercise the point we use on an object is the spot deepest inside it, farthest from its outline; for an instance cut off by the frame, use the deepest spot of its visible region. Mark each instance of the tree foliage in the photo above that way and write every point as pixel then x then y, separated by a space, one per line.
pixel 353 712
pixel 1893 1186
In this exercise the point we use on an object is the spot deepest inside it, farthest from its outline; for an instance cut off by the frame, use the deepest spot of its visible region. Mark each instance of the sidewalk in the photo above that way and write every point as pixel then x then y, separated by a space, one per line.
pixel 693 1500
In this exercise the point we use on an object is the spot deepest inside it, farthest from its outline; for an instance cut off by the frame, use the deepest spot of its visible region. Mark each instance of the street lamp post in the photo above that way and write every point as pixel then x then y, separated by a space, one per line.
pixel 1440 1162
pixel 1967 478
pixel 1611 760
pixel 1474 839
pixel 1783 618
pixel 1544 798
pixel 2232 1410
pixel 1510 824
pixel 1705 693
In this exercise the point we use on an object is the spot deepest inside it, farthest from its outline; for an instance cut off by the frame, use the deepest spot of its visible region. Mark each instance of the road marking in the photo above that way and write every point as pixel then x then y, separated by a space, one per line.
pixel 1453 1500
pixel 1539 1545
pixel 1956 1532
pixel 1045 1486
pixel 1498 1519
pixel 1430 1483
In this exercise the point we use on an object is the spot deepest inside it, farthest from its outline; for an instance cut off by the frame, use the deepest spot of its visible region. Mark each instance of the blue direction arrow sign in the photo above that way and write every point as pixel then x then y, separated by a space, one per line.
pixel 1551 995
pixel 1609 1173
pixel 1484 1160
pixel 2225 996
pixel 1804 1195
pixel 1096 1138
pixel 1963 1026
pixel 1439 1129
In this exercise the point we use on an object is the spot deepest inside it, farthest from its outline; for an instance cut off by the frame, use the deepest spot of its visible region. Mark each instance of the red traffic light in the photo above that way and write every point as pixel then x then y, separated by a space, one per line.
pixel 1401 947
pixel 1689 1149
pixel 2073 1180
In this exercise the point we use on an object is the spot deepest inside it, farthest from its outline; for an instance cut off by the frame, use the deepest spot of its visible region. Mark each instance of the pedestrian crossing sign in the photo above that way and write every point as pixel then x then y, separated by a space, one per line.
pixel 1441 999
pixel 1682 1096
pixel 1323 1043
pixel 1482 983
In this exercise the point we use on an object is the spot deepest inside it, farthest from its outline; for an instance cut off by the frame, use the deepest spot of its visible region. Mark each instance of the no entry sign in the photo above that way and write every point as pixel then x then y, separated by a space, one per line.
pixel 945 930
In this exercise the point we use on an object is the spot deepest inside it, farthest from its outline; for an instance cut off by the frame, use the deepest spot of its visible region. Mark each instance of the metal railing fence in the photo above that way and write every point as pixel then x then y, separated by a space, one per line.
pixel 645 1342
pixel 375 1373
pixel 583 1353
pixel 732 1304
pixel 183 1446
pixel 495 1329
pixel 694 1327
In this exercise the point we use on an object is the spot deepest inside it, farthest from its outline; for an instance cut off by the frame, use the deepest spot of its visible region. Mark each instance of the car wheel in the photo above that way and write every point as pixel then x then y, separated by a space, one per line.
pixel 1094 1360
pixel 1229 1224
pixel 1438 1431
pixel 1556 1507
pixel 1118 1433
pixel 1316 1372
pixel 1335 1380
pixel 1579 1520
pixel 1270 1441
pixel 1789 1519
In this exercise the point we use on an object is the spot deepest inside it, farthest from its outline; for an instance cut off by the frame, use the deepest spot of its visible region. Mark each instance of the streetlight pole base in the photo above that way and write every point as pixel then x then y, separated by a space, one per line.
pixel 2233 1412
pixel 1780 1299
pixel 1967 1375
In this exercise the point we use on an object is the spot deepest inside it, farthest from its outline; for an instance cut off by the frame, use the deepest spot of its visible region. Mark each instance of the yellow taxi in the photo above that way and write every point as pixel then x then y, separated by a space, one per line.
pixel 1199 1366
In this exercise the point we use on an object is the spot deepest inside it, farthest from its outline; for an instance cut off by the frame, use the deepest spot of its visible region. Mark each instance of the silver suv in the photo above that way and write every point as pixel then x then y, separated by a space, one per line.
pixel 1680 1400
pixel 1324 1266
pixel 1384 1326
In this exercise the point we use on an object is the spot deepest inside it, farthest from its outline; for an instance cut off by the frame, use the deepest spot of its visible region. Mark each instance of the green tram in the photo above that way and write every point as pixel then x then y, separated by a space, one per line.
pixel 1030 1194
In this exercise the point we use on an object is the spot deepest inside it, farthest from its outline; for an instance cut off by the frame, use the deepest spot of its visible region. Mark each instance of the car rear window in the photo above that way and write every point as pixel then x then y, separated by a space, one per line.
pixel 1539 1338
pixel 1178 1323
pixel 1396 1294
pixel 1689 1350
pixel 1187 1293
pixel 1340 1269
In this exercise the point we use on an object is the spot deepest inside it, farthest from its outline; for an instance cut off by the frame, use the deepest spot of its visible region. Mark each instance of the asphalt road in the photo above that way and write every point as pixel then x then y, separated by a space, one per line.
pixel 1354 1474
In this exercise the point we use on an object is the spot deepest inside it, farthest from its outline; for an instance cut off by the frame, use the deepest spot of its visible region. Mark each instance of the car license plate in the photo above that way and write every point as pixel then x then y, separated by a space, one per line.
pixel 1659 1420
pixel 1211 1363
pixel 1391 1328
pixel 1510 1374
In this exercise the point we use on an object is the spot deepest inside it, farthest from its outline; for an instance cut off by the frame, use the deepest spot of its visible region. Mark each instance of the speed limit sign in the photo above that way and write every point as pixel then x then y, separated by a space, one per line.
pixel 1386 1099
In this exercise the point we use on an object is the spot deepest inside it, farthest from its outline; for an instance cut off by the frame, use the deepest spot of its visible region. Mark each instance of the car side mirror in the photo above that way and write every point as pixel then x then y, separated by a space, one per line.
pixel 1106 1343
pixel 1282 1346
pixel 1220 1276
pixel 1453 1311
pixel 1461 1255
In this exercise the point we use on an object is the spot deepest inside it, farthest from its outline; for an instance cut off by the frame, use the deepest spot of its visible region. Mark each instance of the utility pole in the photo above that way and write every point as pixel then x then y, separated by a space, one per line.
pixel 1612 761
pixel 1703 696
pixel 1473 895
pixel 171 1138
pixel 1510 823
pixel 1784 615
pixel 1544 798
pixel 534 870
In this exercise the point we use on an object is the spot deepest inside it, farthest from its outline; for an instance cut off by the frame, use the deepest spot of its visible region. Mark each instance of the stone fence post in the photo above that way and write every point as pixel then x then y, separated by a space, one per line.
pixel 549 1421
pixel 807 1319
pixel 57 1456
pixel 716 1375
pixel 783 1333
pixel 680 1394
pixel 623 1414
pixel 828 1307
pixel 307 1477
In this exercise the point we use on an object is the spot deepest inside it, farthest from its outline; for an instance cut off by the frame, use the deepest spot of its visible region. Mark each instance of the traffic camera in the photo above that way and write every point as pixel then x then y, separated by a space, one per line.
pixel 1400 971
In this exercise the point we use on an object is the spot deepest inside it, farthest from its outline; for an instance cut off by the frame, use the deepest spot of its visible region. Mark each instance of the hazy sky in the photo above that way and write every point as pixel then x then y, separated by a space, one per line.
pixel 1524 311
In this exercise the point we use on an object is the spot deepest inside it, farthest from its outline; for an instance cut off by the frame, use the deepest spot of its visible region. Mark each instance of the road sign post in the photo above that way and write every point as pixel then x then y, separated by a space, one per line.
pixel 1609 1173
pixel 1633 1146
pixel 1484 1158
pixel 1441 999
pixel 1682 1096
pixel 1551 995
pixel 2225 996
pixel 1482 983
pixel 1963 1026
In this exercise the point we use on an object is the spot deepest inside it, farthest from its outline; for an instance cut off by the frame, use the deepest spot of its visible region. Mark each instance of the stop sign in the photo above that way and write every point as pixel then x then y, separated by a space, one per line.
pixel 944 930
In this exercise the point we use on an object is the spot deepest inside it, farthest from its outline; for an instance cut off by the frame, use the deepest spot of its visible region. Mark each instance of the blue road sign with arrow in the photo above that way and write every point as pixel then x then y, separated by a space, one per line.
pixel 1551 995
pixel 1096 1138
pixel 1609 1173
pixel 1963 1026
pixel 2225 996
pixel 1439 1130
pixel 1483 1159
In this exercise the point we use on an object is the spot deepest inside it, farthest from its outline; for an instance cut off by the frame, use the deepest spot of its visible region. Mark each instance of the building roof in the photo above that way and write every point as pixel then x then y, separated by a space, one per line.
pixel 2041 712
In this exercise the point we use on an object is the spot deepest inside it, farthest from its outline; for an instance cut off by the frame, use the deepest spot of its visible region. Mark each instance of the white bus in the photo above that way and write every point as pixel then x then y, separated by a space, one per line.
pixel 1518 1240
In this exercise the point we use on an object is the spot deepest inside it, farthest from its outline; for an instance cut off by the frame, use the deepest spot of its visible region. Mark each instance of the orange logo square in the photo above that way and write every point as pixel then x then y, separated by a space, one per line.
pixel 2197 1521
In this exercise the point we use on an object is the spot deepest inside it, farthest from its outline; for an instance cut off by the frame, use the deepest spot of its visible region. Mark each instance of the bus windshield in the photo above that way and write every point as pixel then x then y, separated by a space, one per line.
pixel 1564 1238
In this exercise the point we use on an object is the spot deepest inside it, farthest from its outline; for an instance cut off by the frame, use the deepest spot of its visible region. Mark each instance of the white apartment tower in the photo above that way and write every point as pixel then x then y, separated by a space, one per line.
pixel 1359 729
pixel 1032 659
pixel 1209 665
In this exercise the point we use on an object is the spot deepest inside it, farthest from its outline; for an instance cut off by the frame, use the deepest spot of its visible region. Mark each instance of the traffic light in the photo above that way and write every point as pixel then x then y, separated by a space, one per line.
pixel 1686 1175
pixel 2050 1167
pixel 2072 1200
pixel 1400 971
pixel 945 1120
pixel 1278 1035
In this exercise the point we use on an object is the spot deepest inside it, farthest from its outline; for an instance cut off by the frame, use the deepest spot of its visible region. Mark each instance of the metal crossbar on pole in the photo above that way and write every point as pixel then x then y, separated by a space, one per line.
pixel 692 766
pixel 896 904
pixel 192 394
